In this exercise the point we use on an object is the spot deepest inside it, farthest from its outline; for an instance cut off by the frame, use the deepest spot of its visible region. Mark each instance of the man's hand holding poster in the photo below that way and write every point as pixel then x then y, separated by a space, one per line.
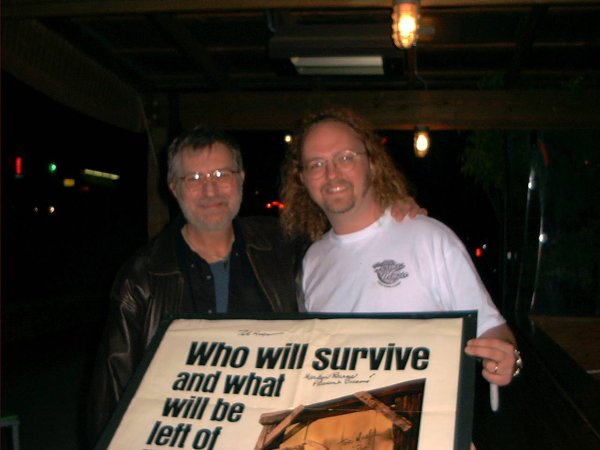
pixel 383 382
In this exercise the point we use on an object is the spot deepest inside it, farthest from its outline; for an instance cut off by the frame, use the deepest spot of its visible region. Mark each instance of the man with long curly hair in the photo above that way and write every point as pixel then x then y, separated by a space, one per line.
pixel 338 186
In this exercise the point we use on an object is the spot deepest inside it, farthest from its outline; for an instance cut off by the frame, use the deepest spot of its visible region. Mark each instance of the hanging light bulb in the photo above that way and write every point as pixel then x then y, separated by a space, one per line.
pixel 421 142
pixel 405 17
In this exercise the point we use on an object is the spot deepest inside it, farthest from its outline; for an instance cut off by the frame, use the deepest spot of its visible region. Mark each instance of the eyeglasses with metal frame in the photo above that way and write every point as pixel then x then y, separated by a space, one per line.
pixel 221 177
pixel 343 161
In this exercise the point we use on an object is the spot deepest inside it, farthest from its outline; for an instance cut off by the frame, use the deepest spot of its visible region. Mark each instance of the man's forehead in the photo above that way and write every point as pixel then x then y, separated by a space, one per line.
pixel 331 135
pixel 216 149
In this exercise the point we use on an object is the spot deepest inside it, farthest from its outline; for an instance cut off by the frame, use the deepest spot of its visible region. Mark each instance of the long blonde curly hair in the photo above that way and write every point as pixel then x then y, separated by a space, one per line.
pixel 301 216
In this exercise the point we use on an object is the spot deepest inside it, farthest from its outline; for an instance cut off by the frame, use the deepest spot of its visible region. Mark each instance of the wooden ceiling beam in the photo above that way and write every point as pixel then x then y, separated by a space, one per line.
pixel 524 43
pixel 15 9
pixel 50 64
pixel 196 52
pixel 399 109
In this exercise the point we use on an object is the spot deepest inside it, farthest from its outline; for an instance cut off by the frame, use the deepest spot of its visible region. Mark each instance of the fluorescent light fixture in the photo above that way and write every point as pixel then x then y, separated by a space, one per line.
pixel 338 65
pixel 98 174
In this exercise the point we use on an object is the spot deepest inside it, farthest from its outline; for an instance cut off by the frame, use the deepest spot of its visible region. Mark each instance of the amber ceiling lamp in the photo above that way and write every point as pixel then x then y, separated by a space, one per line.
pixel 421 141
pixel 405 25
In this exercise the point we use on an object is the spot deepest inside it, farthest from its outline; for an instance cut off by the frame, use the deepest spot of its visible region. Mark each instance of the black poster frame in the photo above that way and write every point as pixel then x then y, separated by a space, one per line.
pixel 465 392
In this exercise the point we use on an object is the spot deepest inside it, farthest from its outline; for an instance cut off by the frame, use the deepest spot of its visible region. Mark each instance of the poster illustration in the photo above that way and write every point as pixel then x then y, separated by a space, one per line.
pixel 320 382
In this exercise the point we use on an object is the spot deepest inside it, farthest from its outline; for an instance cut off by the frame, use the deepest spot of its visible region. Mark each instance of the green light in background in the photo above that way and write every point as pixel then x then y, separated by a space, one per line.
pixel 52 167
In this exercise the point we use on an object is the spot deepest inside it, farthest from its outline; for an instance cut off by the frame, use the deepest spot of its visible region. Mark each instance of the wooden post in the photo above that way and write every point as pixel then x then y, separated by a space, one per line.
pixel 156 112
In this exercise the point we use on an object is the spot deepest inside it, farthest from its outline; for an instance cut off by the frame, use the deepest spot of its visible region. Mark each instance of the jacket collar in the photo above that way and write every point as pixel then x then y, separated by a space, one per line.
pixel 252 234
pixel 164 257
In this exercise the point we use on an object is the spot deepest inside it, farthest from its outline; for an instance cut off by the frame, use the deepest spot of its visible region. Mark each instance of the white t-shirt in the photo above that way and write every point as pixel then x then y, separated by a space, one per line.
pixel 417 265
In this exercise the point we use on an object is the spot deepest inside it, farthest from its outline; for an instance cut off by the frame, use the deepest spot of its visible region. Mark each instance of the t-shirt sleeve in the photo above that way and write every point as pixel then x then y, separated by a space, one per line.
pixel 465 289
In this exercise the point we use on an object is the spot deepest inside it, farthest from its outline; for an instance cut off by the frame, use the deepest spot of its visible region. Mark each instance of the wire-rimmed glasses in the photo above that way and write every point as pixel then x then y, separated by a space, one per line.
pixel 344 161
pixel 221 177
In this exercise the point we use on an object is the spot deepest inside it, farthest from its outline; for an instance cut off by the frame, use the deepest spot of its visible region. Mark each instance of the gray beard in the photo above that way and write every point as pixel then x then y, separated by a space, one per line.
pixel 219 225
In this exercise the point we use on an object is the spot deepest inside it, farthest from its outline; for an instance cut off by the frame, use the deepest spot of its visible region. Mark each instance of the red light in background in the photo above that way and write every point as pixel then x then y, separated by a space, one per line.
pixel 478 252
pixel 274 204
pixel 18 166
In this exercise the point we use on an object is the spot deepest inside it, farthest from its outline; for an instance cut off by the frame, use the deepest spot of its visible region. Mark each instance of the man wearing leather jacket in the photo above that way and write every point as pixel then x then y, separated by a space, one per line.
pixel 207 261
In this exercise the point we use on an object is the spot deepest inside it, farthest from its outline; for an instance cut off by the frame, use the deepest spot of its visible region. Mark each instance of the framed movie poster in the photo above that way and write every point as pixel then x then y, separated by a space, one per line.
pixel 385 382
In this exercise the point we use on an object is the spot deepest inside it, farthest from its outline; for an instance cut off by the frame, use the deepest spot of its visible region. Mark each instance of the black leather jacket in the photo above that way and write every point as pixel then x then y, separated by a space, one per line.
pixel 151 285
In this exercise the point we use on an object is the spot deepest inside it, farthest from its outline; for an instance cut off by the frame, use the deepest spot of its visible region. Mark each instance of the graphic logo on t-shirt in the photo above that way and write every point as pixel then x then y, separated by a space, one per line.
pixel 389 272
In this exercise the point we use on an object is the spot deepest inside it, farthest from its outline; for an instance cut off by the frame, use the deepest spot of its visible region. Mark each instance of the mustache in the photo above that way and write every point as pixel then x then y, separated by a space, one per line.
pixel 336 183
pixel 211 202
